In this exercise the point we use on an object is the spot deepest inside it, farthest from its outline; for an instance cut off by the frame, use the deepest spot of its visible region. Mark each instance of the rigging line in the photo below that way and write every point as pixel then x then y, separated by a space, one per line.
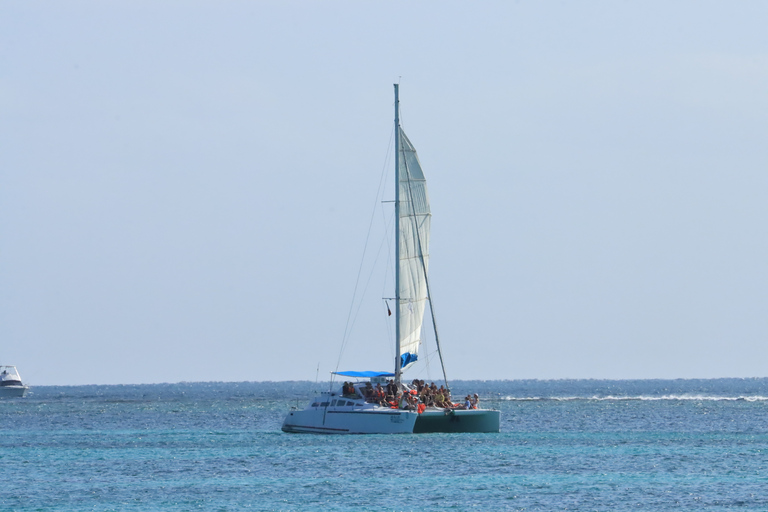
pixel 347 327
pixel 387 267
pixel 365 289
pixel 388 327
pixel 368 282
pixel 426 368
pixel 387 225
pixel 388 238
pixel 424 267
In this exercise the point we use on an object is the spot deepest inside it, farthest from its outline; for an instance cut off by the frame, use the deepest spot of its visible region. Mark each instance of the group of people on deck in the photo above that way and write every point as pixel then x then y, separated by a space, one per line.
pixel 417 396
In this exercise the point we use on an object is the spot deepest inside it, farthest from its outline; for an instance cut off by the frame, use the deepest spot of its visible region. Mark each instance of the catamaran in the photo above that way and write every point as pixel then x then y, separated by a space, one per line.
pixel 345 410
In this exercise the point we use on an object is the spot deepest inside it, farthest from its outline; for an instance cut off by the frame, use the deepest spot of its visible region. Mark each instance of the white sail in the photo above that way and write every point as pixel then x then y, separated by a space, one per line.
pixel 414 250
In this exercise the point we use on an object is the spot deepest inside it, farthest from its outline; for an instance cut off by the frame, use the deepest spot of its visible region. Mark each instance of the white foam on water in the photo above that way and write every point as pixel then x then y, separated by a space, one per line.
pixel 692 398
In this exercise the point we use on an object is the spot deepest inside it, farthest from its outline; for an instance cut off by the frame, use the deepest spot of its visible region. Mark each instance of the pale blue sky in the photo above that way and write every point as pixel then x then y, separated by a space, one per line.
pixel 185 187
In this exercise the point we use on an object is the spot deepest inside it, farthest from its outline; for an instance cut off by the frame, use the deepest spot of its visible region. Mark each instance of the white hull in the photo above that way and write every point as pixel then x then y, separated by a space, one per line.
pixel 374 420
pixel 13 391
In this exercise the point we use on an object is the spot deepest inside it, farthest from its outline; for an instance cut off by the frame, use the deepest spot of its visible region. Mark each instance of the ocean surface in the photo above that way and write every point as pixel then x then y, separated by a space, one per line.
pixel 585 445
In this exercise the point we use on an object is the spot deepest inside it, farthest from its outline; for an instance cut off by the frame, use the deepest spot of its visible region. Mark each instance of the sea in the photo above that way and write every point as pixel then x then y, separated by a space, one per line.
pixel 583 445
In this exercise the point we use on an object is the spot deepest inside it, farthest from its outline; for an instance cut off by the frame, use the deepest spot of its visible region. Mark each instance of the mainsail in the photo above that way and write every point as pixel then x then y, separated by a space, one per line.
pixel 414 250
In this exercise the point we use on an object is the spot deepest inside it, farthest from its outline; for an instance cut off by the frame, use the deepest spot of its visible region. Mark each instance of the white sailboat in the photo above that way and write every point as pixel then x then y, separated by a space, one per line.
pixel 345 411
pixel 10 383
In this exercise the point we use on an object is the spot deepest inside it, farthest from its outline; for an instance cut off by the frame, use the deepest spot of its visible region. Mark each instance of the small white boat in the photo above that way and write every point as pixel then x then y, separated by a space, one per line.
pixel 342 411
pixel 10 383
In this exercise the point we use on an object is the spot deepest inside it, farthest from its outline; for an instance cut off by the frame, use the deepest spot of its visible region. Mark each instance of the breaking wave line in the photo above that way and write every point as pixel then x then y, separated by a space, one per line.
pixel 611 398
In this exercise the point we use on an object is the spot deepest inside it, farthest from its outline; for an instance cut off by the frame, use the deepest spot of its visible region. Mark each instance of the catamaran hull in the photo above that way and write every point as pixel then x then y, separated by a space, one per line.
pixel 457 421
pixel 391 422
pixel 12 391
pixel 319 421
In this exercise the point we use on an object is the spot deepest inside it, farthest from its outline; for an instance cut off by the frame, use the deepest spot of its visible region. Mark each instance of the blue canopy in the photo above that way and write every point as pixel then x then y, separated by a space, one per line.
pixel 367 374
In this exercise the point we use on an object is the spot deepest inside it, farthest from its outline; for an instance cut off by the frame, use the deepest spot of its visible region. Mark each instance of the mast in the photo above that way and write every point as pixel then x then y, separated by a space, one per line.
pixel 410 200
pixel 397 235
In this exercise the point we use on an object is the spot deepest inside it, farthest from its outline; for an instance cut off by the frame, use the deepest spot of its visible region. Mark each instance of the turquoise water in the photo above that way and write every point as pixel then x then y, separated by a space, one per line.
pixel 565 445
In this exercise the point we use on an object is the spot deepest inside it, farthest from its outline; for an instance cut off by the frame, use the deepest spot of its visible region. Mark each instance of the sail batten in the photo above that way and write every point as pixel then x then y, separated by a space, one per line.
pixel 413 243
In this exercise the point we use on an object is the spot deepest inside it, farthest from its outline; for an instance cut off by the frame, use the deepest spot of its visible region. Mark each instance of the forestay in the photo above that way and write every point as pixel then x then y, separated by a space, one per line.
pixel 414 250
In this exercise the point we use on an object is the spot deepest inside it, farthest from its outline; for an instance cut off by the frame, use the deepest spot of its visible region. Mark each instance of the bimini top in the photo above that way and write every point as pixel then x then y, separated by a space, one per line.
pixel 366 374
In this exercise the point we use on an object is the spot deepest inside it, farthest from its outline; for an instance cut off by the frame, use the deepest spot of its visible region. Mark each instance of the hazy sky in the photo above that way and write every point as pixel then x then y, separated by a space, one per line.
pixel 186 187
